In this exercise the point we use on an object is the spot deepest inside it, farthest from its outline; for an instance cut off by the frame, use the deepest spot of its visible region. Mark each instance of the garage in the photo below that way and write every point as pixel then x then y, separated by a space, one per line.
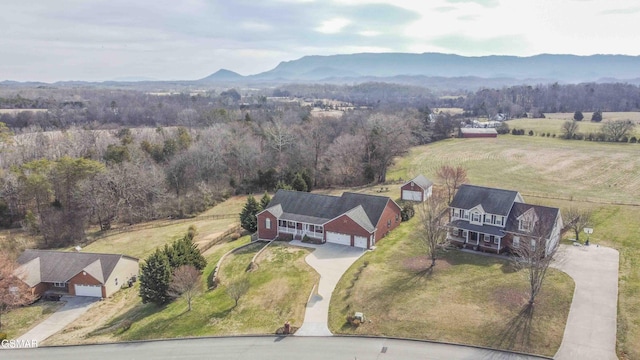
pixel 337 238
pixel 360 241
pixel 88 290
pixel 411 195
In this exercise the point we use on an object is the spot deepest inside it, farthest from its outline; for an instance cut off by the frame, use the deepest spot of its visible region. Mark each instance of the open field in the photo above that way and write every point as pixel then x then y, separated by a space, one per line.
pixel 560 173
pixel 553 122
pixel 469 298
pixel 535 166
pixel 16 111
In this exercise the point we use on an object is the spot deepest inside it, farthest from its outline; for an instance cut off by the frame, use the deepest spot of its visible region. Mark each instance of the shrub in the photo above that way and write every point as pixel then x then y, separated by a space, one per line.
pixel 624 139
pixel 530 132
pixel 353 321
pixel 407 212
pixel 633 140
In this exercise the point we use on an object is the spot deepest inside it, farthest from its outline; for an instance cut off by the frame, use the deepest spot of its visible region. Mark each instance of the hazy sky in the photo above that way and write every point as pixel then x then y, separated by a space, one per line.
pixel 51 40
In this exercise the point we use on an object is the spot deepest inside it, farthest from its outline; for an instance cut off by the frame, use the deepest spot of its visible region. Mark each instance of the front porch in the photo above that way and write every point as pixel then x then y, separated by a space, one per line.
pixel 475 240
pixel 300 229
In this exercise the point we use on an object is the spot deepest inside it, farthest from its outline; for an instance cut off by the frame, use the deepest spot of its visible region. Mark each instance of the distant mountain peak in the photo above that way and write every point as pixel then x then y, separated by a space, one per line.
pixel 223 75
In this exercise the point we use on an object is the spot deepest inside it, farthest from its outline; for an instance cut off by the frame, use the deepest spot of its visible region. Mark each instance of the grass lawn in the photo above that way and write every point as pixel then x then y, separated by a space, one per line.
pixel 469 299
pixel 278 292
pixel 18 321
pixel 545 168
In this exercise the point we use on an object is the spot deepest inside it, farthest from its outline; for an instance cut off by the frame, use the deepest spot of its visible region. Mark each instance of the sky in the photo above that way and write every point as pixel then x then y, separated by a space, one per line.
pixel 98 40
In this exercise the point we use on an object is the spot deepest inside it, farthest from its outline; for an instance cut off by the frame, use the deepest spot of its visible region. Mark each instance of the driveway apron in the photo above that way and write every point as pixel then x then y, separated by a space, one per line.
pixel 330 261
pixel 74 307
pixel 590 332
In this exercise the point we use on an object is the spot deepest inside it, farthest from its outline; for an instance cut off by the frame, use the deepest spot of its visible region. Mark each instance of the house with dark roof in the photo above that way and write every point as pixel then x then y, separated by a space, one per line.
pixel 75 273
pixel 352 219
pixel 418 189
pixel 497 220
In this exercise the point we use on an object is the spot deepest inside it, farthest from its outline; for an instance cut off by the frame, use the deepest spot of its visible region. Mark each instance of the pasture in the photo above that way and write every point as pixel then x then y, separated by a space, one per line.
pixel 552 124
pixel 561 173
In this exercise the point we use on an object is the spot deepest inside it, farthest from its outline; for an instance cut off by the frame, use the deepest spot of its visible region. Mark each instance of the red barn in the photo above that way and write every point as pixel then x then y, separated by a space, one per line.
pixel 478 133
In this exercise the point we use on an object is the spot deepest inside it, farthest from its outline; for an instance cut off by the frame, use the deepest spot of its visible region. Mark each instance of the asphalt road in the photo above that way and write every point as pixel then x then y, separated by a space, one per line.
pixel 267 347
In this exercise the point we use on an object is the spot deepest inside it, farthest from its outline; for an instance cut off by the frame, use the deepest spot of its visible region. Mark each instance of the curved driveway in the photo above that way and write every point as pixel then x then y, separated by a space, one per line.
pixel 330 261
pixel 266 348
pixel 590 332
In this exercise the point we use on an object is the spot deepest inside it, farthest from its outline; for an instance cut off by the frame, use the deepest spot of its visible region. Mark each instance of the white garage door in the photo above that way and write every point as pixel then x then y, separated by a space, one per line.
pixel 411 195
pixel 360 241
pixel 89 290
pixel 337 238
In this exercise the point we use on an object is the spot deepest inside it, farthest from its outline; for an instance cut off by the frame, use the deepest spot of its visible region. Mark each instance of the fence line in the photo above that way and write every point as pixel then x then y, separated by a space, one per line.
pixel 578 198
pixel 164 223
pixel 220 237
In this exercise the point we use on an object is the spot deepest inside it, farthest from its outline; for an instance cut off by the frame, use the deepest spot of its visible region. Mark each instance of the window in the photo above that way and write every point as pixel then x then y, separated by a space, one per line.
pixel 485 238
pixel 389 223
pixel 267 225
pixel 525 225
pixel 59 284
pixel 516 242
pixel 493 219
pixel 475 217
pixel 533 244
pixel 116 281
pixel 496 240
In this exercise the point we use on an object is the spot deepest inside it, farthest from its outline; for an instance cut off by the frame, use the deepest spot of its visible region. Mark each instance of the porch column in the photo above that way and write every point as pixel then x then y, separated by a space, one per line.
pixel 466 240
pixel 499 243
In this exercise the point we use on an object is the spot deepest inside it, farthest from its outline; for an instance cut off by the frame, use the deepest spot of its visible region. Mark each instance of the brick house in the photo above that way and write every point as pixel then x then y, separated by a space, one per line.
pixel 75 273
pixel 497 220
pixel 352 219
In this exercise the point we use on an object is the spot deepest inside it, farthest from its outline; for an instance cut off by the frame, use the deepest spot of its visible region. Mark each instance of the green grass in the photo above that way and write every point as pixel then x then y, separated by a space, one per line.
pixel 279 288
pixel 545 168
pixel 469 299
pixel 20 320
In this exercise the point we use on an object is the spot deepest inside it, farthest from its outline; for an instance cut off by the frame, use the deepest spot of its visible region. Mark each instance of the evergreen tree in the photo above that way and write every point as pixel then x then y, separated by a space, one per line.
pixel 185 252
pixel 597 116
pixel 264 202
pixel 577 116
pixel 248 219
pixel 155 277
pixel 299 184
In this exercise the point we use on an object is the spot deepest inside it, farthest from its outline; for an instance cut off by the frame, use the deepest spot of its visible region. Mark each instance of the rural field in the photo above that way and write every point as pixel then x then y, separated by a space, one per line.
pixel 553 122
pixel 554 172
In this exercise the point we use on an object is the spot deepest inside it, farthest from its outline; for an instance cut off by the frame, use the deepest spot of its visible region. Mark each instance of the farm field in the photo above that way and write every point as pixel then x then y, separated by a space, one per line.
pixel 553 122
pixel 468 299
pixel 535 166
pixel 564 174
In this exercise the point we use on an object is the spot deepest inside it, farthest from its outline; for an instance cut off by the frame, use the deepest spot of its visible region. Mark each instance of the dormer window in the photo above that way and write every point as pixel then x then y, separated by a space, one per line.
pixel 525 225
pixel 475 217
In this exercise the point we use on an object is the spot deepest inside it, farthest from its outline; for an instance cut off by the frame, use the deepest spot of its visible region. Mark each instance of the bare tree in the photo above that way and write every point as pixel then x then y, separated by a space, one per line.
pixel 569 129
pixel 452 178
pixel 13 291
pixel 185 282
pixel 433 221
pixel 616 130
pixel 238 289
pixel 533 254
pixel 578 219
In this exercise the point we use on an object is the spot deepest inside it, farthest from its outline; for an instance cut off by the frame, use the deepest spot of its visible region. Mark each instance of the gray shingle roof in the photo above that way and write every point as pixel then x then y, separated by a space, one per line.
pixel 318 209
pixel 493 201
pixel 421 181
pixel 60 266
pixel 487 229
pixel 546 219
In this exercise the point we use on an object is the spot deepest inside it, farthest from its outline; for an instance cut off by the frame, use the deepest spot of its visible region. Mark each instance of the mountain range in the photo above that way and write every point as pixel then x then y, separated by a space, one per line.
pixel 387 66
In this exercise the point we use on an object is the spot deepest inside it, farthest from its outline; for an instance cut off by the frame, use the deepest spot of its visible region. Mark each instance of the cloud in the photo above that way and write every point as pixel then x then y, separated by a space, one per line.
pixel 479 46
pixel 484 3
pixel 333 26
pixel 627 11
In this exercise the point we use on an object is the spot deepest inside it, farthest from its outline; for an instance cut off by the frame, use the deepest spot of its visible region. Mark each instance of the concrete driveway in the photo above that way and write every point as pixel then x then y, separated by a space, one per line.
pixel 73 308
pixel 590 332
pixel 330 261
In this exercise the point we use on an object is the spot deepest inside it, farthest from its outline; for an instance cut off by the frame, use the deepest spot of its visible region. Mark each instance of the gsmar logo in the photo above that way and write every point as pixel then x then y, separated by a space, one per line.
pixel 18 344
